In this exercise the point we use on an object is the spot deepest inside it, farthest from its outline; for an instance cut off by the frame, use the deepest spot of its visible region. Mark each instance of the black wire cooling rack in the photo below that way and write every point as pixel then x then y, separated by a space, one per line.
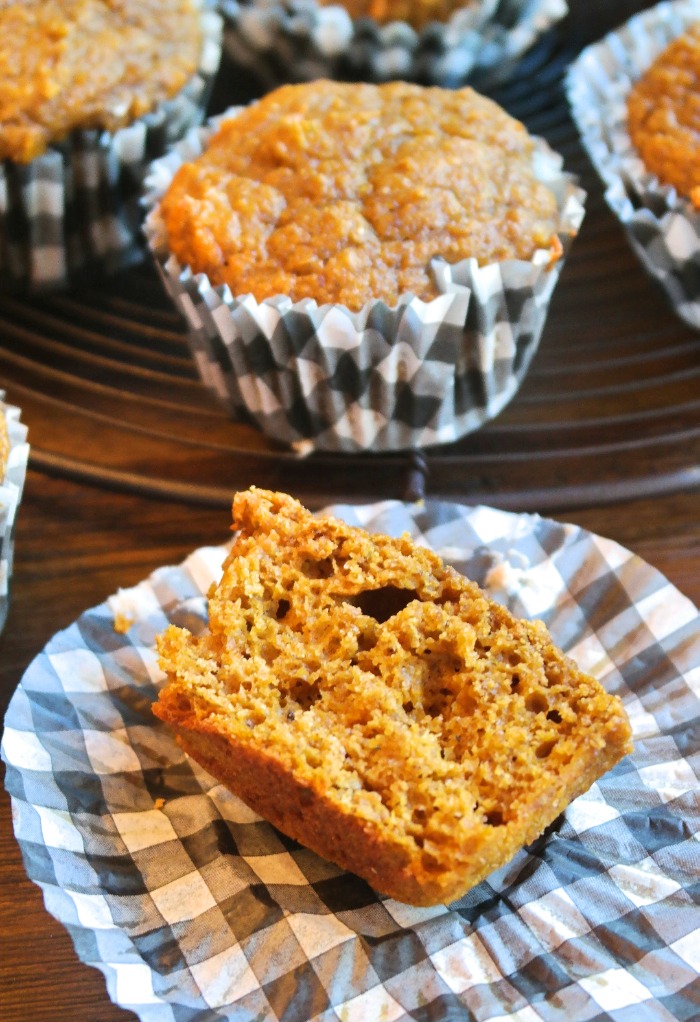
pixel 609 408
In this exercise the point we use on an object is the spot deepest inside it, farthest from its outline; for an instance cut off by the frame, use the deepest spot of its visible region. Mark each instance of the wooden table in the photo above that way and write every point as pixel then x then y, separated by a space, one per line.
pixel 79 539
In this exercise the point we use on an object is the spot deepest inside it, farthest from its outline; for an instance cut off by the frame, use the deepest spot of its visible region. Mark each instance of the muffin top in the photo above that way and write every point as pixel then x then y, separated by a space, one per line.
pixel 344 193
pixel 417 13
pixel 88 64
pixel 664 115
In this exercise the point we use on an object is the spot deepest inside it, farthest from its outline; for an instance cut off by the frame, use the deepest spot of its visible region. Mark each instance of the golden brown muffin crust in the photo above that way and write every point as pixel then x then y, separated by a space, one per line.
pixel 375 705
pixel 88 64
pixel 343 193
pixel 664 115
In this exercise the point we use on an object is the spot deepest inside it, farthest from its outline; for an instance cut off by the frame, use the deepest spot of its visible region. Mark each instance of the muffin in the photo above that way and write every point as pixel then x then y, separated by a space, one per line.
pixel 377 706
pixel 363 266
pixel 663 115
pixel 92 91
pixel 432 42
pixel 14 452
pixel 634 96
pixel 342 194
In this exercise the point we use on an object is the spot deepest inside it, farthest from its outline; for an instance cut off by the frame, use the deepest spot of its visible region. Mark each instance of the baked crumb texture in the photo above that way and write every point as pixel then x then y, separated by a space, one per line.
pixel 664 115
pixel 375 705
pixel 343 193
pixel 88 64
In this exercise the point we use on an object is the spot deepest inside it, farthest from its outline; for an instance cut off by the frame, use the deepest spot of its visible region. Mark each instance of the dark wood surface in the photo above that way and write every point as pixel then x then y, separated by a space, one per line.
pixel 81 537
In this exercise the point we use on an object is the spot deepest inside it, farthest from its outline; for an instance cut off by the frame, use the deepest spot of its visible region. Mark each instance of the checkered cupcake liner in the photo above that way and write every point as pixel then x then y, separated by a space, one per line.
pixel 662 227
pixel 384 379
pixel 74 213
pixel 197 910
pixel 11 488
pixel 299 40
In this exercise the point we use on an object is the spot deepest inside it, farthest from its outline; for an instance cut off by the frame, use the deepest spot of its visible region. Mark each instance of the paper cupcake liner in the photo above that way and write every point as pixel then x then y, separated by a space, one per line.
pixel 11 487
pixel 75 211
pixel 663 227
pixel 411 376
pixel 196 910
pixel 297 40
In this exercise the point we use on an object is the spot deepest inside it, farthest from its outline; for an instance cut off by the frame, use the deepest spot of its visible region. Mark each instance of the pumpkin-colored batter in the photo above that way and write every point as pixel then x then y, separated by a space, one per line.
pixel 343 193
pixel 664 115
pixel 70 64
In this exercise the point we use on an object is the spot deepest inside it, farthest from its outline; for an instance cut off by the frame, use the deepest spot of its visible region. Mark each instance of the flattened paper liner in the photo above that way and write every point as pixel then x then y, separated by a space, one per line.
pixel 298 40
pixel 662 227
pixel 11 487
pixel 74 213
pixel 195 909
pixel 386 379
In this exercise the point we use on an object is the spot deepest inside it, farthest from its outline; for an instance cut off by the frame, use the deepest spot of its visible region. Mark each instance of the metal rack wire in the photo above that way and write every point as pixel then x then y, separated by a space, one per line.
pixel 610 403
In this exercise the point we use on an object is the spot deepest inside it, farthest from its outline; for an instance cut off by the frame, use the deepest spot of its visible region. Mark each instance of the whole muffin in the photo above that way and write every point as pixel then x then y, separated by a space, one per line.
pixel 344 193
pixel 91 91
pixel 663 111
pixel 362 267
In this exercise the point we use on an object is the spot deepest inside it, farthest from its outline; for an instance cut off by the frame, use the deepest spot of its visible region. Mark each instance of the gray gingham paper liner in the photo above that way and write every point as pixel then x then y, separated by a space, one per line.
pixel 386 379
pixel 74 213
pixel 11 487
pixel 299 40
pixel 662 227
pixel 196 910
